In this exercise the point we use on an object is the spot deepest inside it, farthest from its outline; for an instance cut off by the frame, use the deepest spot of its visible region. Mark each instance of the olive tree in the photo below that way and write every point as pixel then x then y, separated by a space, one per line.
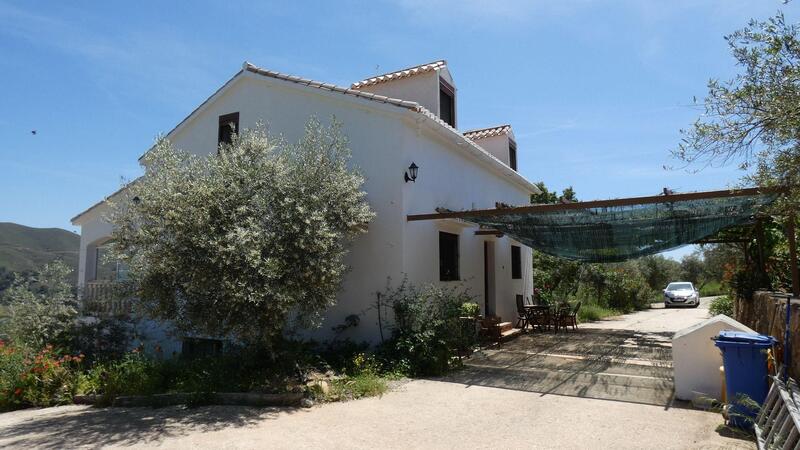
pixel 754 118
pixel 41 308
pixel 241 243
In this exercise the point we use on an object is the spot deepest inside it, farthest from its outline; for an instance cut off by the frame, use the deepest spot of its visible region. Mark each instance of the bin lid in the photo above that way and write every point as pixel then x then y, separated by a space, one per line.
pixel 744 337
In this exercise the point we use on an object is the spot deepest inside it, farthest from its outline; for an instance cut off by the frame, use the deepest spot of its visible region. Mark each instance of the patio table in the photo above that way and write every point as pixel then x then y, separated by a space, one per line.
pixel 539 315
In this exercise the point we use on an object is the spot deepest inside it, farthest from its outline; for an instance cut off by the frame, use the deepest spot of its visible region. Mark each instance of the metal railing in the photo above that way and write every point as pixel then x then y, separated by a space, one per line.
pixel 106 298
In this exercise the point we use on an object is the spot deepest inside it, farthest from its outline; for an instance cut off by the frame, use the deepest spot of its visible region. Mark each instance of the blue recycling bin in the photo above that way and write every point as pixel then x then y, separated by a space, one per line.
pixel 744 356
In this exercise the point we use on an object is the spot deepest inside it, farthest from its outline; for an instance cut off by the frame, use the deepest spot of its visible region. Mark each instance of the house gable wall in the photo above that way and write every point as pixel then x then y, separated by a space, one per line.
pixel 384 140
pixel 422 88
pixel 497 146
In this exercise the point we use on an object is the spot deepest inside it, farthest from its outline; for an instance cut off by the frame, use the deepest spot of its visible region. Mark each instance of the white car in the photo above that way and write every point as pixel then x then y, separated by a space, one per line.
pixel 681 293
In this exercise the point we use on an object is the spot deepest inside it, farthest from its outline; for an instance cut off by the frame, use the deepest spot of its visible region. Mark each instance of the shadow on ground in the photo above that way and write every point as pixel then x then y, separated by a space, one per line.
pixel 622 365
pixel 72 427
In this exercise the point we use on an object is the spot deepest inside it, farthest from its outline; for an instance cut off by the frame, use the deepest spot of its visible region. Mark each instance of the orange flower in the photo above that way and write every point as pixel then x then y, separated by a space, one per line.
pixel 17 391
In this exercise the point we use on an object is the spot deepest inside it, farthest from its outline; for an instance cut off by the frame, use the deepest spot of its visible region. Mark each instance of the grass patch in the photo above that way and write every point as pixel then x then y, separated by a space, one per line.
pixel 711 288
pixel 359 386
pixel 591 312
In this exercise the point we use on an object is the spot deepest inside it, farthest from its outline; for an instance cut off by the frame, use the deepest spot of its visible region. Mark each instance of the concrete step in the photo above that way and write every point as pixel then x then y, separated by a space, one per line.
pixel 510 334
pixel 505 326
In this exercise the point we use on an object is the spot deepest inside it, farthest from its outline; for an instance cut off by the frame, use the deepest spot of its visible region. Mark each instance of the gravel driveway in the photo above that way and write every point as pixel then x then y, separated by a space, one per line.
pixel 441 413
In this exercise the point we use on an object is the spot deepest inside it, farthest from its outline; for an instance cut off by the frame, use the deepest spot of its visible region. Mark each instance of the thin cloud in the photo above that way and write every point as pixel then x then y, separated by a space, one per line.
pixel 118 61
pixel 489 12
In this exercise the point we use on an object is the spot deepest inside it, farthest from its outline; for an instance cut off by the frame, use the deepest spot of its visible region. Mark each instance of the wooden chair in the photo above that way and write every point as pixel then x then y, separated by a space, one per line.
pixel 561 317
pixel 572 319
pixel 522 314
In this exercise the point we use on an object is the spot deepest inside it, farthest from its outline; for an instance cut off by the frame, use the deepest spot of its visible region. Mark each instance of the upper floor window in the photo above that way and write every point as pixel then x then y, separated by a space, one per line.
pixel 448 256
pixel 228 126
pixel 516 262
pixel 512 155
pixel 447 103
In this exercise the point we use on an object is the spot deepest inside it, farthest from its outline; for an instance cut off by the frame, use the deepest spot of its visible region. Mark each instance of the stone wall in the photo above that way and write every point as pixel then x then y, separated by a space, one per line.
pixel 767 315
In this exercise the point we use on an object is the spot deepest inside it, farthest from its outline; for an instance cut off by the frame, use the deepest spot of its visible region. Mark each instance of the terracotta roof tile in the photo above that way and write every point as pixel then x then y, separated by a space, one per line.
pixel 405 73
pixel 481 133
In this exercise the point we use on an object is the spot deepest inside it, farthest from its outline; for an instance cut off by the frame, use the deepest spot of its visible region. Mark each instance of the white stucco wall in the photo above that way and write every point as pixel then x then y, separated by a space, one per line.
pixel 451 179
pixel 384 140
pixel 94 232
pixel 497 146
pixel 696 360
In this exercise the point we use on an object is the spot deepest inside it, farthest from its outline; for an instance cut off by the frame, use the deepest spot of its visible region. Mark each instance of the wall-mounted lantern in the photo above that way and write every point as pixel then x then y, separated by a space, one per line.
pixel 411 175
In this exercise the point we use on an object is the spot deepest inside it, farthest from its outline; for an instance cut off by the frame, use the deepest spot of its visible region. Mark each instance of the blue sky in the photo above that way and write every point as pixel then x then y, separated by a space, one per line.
pixel 596 91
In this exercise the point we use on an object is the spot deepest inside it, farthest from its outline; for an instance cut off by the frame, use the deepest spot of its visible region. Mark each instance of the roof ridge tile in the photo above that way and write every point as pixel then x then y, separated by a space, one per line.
pixel 399 74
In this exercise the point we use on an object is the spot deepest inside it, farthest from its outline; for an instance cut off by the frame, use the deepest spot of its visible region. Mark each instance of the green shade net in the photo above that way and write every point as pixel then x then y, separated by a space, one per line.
pixel 619 233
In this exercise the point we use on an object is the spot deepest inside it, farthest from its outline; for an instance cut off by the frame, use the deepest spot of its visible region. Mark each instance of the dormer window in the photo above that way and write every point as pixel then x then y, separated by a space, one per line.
pixel 512 154
pixel 228 126
pixel 447 103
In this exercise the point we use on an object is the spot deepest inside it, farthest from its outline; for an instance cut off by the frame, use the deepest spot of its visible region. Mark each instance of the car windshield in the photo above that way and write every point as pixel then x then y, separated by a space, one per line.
pixel 679 287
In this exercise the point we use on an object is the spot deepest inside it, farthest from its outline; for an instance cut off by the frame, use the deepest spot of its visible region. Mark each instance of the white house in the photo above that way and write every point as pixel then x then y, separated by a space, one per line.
pixel 392 121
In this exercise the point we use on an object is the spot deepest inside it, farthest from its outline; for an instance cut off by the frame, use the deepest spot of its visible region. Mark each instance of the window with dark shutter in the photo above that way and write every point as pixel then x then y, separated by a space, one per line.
pixel 448 256
pixel 512 155
pixel 228 125
pixel 516 262
pixel 447 103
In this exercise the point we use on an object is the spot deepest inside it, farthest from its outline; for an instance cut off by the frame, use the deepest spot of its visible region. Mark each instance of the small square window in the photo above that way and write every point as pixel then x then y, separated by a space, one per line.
pixel 448 257
pixel 228 126
pixel 516 262
pixel 192 348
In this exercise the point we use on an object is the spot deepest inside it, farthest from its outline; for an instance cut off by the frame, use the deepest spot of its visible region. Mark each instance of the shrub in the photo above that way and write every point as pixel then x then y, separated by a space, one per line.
pixel 470 309
pixel 105 338
pixel 427 332
pixel 133 374
pixel 44 378
pixel 41 309
pixel 721 305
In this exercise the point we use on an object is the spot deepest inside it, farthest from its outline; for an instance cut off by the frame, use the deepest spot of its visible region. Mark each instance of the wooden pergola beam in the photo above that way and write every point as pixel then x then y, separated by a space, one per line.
pixel 596 204
pixel 721 241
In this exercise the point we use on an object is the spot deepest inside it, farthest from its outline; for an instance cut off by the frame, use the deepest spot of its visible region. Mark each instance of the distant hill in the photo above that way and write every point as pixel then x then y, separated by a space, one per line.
pixel 25 248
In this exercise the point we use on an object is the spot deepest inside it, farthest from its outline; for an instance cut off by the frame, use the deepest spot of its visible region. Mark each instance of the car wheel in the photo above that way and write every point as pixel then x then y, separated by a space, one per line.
pixel 696 304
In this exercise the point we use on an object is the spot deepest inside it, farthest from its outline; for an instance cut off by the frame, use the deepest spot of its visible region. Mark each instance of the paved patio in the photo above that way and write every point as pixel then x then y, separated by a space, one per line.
pixel 623 365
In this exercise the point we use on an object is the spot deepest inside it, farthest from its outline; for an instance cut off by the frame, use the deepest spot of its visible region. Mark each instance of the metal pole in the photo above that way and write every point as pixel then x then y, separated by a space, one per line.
pixel 790 236
pixel 787 343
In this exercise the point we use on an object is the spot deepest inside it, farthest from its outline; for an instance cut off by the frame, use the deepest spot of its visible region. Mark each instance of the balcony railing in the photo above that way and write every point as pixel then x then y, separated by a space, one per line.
pixel 106 298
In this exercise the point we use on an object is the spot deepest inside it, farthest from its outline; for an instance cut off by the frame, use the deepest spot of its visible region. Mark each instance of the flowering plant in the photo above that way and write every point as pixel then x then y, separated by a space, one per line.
pixel 44 378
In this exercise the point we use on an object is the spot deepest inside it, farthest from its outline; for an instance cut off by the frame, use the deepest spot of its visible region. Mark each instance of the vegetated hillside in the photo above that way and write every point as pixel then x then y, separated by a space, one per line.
pixel 25 248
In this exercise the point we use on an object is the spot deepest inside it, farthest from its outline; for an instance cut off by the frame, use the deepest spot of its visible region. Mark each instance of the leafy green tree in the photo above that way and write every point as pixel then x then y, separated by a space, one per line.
pixel 548 197
pixel 237 244
pixel 692 269
pixel 754 118
pixel 41 309
pixel 658 270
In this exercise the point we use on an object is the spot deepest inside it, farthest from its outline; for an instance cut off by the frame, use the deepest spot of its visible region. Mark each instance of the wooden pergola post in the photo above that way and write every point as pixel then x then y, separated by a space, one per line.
pixel 790 236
